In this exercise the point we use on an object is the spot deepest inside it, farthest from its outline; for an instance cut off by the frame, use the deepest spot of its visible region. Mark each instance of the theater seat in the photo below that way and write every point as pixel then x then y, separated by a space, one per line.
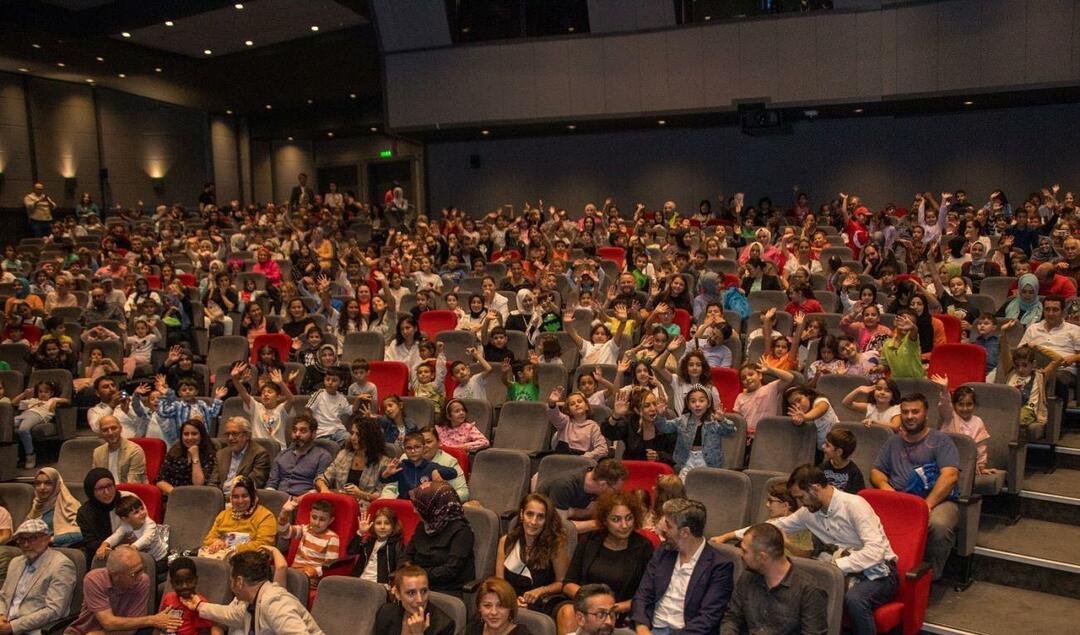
pixel 643 474
pixel 406 514
pixel 280 341
pixel 150 495
pixel 435 321
pixel 154 450
pixel 961 363
pixel 362 598
pixel 390 378
pixel 727 384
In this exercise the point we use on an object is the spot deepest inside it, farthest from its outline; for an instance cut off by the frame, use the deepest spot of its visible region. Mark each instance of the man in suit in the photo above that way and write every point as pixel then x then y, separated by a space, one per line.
pixel 301 193
pixel 262 606
pixel 240 457
pixel 412 613
pixel 124 459
pixel 686 586
pixel 39 584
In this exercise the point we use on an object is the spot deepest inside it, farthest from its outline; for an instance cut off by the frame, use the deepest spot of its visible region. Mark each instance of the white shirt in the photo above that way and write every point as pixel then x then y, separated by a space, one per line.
pixel 848 522
pixel 114 463
pixel 1063 340
pixel 268 424
pixel 606 353
pixel 475 388
pixel 129 423
pixel 669 610
pixel 328 410
pixel 371 569
pixel 883 417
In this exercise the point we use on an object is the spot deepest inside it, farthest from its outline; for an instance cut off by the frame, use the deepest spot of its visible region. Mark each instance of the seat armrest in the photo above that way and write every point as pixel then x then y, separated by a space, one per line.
pixel 967 501
pixel 539 454
pixel 918 571
pixel 1014 479
pixel 471 587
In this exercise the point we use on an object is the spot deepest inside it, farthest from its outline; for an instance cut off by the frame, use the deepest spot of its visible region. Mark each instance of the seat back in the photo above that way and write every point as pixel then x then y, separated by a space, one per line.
pixel 461 455
pixel 830 579
pixel 16 498
pixel 273 500
pixel 346 510
pixel 15 355
pixel 734 445
pixel 363 598
pixel 435 321
pixel 523 426
pixel 727 384
pixel 781 446
pixel 965 446
pixel 485 526
pixel 154 450
pixel 455 343
pixel 760 482
pixel 999 408
pixel 405 512
pixel 226 349
pixel 281 342
pixel 952 327
pixel 548 376
pixel 78 558
pixel 643 474
pixel 784 322
pixel 76 459
pixel 682 320
pixel 213 580
pixel 149 494
pixel 480 413
pixel 453 607
pixel 725 493
pixel 366 344
pixel 298 584
pixel 905 519
pixel 390 378
pixel 868 442
pixel 764 300
pixel 536 622
pixel 610 372
pixel 13 382
pixel 190 514
pixel 961 363
pixel 499 479
pixel 835 388
pixel 730 553
pixel 553 466
pixel 929 389
pixel 997 287
pixel 419 409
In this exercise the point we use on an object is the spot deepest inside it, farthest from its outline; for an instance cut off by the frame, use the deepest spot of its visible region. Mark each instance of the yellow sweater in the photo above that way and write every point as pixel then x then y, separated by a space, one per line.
pixel 260 526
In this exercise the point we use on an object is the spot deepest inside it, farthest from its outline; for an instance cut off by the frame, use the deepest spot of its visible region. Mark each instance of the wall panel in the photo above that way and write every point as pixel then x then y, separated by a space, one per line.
pixel 223 141
pixel 14 143
pixel 65 138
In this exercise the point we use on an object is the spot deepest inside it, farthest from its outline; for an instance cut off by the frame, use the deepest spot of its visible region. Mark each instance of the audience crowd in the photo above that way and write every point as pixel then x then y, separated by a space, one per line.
pixel 326 350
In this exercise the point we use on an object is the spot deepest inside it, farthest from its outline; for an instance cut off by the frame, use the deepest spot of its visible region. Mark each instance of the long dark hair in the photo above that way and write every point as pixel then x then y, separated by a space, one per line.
pixel 925 324
pixel 370 434
pixel 206 449
pixel 552 537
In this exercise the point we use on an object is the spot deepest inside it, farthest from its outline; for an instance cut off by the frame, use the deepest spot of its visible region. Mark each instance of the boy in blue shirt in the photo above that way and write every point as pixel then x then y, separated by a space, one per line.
pixel 415 469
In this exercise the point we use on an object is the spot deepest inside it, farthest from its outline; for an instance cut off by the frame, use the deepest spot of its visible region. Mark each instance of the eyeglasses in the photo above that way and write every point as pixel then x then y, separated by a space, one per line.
pixel 602 615
pixel 105 488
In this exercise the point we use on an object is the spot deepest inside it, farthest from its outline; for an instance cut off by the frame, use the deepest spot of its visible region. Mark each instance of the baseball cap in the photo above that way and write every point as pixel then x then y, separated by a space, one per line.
pixel 32 526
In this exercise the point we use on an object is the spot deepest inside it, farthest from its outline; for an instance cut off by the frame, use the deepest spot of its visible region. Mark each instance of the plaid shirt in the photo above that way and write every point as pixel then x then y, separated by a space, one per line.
pixel 177 412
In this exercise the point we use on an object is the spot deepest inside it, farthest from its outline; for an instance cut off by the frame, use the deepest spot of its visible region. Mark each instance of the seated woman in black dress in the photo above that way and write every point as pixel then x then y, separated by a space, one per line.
pixel 190 461
pixel 532 556
pixel 443 544
pixel 496 610
pixel 636 428
pixel 615 554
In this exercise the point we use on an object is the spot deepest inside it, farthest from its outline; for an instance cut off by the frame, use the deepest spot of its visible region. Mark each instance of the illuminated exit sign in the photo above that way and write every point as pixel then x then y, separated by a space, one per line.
pixel 386 154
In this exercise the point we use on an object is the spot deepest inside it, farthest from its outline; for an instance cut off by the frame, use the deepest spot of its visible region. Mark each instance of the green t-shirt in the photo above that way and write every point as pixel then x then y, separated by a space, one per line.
pixel 523 392
pixel 904 360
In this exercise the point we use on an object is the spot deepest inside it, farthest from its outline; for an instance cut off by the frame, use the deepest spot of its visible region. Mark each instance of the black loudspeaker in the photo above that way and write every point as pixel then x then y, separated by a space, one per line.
pixel 474 161
pixel 758 122
pixel 103 174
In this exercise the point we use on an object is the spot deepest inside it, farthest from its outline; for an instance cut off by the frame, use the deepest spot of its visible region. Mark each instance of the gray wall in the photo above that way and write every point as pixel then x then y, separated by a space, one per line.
pixel 912 50
pixel 883 159
pixel 224 141
pixel 139 139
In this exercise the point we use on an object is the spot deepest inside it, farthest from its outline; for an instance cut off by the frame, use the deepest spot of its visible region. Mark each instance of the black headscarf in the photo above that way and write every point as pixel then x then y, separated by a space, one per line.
pixel 94 518
pixel 925 325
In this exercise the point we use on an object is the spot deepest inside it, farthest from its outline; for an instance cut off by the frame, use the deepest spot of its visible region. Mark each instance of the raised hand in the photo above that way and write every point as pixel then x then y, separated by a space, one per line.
pixel 174 353
pixel 238 370
pixel 221 391
pixel 275 376
pixel 941 380
pixel 770 315
pixel 392 468
pixel 624 366
pixel 363 523
pixel 622 403
pixel 161 384
pixel 290 504
pixel 555 396
pixel 143 389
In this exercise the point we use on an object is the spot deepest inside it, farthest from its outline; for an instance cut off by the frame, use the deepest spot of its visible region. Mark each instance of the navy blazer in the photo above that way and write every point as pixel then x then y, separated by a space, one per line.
pixel 707 593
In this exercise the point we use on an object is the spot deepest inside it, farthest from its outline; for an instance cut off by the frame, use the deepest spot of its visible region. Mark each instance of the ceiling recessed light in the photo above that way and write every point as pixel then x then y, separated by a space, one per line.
pixel 352 95
pixel 169 23
pixel 61 64
pixel 125 34
pixel 248 43
pixel 100 58
pixel 228 112
pixel 207 52
pixel 311 101
pixel 37 46
pixel 290 139
pixel 239 6
pixel 89 81
pixel 485 132
pixel 374 129
pixel 570 30
pixel 571 127
pixel 464 29
pixel 858 111
pixel 708 17
pixel 662 122
pixel 314 27
pixel 968 103
pixel 268 106
pixel 122 76
pixel 24 70
pixel 330 134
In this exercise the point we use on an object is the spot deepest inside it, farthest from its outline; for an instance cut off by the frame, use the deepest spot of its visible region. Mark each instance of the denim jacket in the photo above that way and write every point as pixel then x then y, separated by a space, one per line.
pixel 711 446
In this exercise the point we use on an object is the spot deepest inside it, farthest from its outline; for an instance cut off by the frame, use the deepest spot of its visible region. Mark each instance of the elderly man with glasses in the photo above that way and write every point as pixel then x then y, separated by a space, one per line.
pixel 39 584
pixel 240 457
pixel 115 598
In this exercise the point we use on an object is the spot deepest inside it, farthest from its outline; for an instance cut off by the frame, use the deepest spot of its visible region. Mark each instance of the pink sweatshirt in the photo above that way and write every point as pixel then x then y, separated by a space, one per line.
pixel 583 436
pixel 465 436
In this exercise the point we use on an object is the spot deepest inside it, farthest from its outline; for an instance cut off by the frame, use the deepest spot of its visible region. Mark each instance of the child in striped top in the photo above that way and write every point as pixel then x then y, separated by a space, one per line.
pixel 319 545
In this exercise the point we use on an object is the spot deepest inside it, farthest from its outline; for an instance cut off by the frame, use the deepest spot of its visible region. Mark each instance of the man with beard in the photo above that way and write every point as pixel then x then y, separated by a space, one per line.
pixel 771 596
pixel 594 610
pixel 926 463
pixel 686 586
pixel 853 533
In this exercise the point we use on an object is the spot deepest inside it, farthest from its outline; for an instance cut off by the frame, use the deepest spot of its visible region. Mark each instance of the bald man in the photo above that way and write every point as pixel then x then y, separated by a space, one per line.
pixel 116 596
pixel 1053 283
pixel 1069 265
pixel 124 459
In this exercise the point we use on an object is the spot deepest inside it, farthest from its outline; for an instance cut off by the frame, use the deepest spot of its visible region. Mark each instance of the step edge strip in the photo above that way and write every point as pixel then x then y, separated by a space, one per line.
pixel 1036 561
pixel 1047 496
pixel 941 629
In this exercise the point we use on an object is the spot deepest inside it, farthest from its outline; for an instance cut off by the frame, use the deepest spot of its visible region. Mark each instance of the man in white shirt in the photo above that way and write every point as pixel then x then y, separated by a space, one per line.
pixel 113 403
pixel 1057 339
pixel 686 586
pixel 124 459
pixel 39 207
pixel 848 522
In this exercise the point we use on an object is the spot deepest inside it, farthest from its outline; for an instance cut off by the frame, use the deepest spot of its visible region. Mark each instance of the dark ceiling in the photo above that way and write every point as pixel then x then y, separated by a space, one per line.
pixel 315 81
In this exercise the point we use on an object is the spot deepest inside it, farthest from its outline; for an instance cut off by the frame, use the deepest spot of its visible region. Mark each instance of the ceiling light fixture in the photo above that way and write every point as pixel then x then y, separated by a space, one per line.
pixel 228 112
pixel 37 46
pixel 352 95
pixel 662 122
pixel 61 64
pixel 330 134
pixel 464 29
pixel 89 81
pixel 570 30
pixel 24 70
pixel 125 34
pixel 269 107
pixel 374 129
pixel 239 6
pixel 858 111
pixel 310 101
pixel 571 127
pixel 708 17
pixel 969 103
pixel 157 69
pixel 122 76
pixel 249 43
pixel 208 52
pixel 100 58
pixel 314 27
pixel 485 132
pixel 169 23
pixel 290 139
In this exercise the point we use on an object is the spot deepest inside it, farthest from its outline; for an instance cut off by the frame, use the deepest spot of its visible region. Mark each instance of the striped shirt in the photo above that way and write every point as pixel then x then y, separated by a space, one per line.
pixel 177 412
pixel 315 550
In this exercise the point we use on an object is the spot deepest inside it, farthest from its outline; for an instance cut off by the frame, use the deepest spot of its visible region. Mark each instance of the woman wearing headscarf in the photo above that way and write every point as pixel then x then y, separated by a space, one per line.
pixel 519 319
pixel 931 329
pixel 142 292
pixel 445 546
pixel 709 293
pixel 325 359
pixel 96 518
pixel 56 507
pixel 1025 306
pixel 244 526
pixel 21 293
